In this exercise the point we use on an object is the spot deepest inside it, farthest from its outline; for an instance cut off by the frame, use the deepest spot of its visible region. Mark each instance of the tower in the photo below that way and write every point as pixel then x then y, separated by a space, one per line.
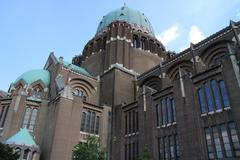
pixel 124 36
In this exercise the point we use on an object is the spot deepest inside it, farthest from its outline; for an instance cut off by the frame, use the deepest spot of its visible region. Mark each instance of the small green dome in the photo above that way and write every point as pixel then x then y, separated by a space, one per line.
pixel 34 75
pixel 22 138
pixel 126 14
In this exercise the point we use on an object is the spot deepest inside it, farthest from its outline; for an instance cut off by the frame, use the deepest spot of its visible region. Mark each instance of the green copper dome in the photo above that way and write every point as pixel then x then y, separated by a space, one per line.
pixel 74 68
pixel 126 14
pixel 34 75
pixel 22 138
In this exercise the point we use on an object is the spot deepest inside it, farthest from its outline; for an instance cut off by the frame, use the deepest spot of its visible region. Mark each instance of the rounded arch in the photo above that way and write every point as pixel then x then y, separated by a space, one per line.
pixel 36 90
pixel 214 52
pixel 152 82
pixel 38 83
pixel 19 86
pixel 173 71
pixel 26 154
pixel 82 88
pixel 82 81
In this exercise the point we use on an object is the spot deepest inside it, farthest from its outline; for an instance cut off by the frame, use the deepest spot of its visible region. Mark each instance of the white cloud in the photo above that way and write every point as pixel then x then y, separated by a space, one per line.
pixel 195 35
pixel 169 35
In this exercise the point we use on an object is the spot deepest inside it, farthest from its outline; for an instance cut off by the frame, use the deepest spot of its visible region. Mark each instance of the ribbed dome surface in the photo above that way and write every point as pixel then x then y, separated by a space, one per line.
pixel 126 14
pixel 34 75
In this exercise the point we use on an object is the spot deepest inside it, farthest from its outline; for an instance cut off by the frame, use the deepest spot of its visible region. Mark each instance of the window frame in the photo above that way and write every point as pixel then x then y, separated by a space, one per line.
pixel 28 122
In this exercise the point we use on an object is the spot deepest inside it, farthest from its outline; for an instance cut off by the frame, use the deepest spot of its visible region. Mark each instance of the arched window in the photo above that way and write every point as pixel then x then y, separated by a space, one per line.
pixel 93 122
pixel 97 125
pixel 83 121
pixel 219 94
pixel 163 112
pixel 26 154
pixel 216 94
pixel 19 87
pixel 37 92
pixel 201 99
pixel 209 97
pixel 173 110
pixel 151 46
pixel 80 93
pixel 169 114
pixel 224 94
pixel 33 119
pixel 143 43
pixel 218 59
pixel 30 117
pixel 88 121
pixel 135 42
pixel 26 117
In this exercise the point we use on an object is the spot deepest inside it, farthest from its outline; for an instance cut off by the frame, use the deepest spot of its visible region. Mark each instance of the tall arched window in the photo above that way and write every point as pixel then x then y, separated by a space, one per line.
pixel 169 114
pixel 209 97
pixel 93 122
pixel 30 117
pixel 135 42
pixel 201 99
pixel 33 119
pixel 143 43
pixel 216 94
pixel 163 112
pixel 83 121
pixel 88 121
pixel 26 117
pixel 224 94
pixel 173 110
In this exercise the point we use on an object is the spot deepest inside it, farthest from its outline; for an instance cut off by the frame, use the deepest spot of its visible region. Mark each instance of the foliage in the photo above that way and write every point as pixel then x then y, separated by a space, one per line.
pixel 89 150
pixel 7 153
pixel 145 155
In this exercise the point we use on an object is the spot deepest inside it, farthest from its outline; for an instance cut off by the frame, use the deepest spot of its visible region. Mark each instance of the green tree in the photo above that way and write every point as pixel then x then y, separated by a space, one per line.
pixel 145 155
pixel 89 150
pixel 7 153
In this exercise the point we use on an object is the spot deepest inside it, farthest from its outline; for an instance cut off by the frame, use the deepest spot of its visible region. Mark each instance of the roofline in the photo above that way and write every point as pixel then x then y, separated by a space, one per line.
pixel 187 51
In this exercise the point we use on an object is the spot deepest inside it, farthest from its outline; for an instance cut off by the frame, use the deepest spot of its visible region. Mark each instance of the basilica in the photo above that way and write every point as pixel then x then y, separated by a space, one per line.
pixel 130 92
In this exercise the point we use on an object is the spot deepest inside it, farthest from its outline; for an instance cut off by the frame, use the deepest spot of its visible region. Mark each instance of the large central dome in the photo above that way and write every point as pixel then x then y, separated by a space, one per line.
pixel 129 15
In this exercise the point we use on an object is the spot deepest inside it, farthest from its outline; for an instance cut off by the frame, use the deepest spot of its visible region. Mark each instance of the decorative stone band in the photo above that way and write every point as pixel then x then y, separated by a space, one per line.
pixel 119 38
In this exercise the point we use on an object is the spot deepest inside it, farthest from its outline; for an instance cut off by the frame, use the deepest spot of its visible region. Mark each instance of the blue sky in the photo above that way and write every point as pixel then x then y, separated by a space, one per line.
pixel 31 29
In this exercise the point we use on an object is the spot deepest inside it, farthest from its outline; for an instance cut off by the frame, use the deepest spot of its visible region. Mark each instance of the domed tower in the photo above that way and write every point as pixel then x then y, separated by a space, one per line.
pixel 124 36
